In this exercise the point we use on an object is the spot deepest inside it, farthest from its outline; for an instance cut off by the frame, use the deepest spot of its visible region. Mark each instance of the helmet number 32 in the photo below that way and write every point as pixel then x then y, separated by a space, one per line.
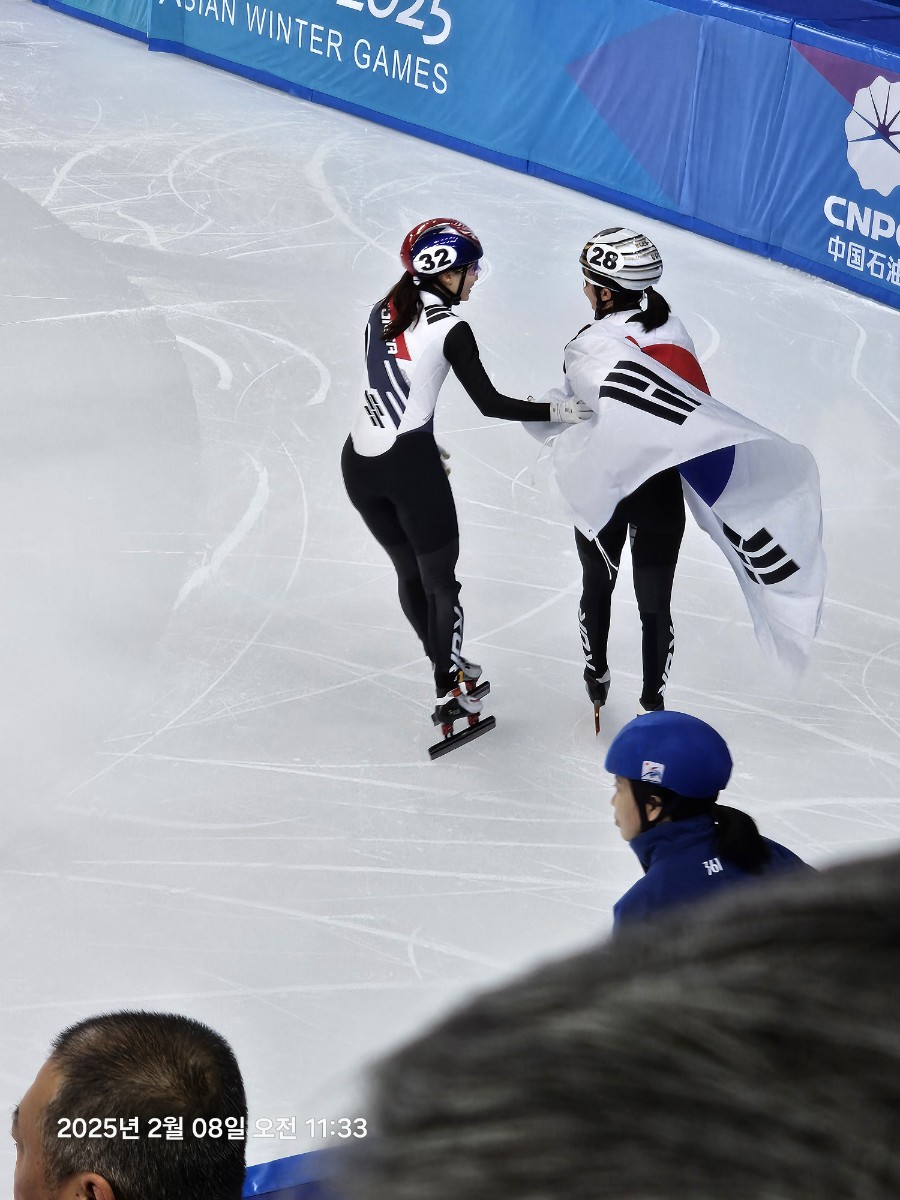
pixel 435 260
pixel 602 257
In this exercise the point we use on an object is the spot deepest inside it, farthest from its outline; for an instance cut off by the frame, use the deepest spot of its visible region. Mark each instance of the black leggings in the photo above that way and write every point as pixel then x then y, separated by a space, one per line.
pixel 655 516
pixel 404 497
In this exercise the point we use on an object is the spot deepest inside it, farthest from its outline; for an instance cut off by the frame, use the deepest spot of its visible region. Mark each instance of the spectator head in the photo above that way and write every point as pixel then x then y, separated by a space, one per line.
pixel 669 766
pixel 753 1053
pixel 71 1128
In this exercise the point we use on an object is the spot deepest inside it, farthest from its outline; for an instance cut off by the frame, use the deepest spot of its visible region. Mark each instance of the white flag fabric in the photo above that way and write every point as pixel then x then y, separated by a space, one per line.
pixel 756 494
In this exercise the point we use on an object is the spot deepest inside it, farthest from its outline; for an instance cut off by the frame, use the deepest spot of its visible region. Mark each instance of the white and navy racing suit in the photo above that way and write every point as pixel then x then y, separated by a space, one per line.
pixel 654 514
pixel 393 471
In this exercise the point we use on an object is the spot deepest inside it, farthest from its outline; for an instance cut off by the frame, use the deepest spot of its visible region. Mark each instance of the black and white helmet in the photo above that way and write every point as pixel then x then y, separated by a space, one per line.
pixel 620 258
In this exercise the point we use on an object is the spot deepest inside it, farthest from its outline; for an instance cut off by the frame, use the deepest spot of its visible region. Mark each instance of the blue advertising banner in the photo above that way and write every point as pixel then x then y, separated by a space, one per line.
pixel 771 127
pixel 836 201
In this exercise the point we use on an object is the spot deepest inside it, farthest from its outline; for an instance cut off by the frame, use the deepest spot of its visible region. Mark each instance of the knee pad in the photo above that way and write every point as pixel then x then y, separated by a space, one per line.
pixel 653 589
pixel 405 562
pixel 438 570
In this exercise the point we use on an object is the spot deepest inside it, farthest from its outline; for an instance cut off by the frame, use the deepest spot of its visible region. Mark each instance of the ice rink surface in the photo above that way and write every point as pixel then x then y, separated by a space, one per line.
pixel 217 797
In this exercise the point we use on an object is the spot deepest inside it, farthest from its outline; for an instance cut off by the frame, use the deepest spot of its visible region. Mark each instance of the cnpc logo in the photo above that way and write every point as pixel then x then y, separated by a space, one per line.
pixel 868 222
pixel 873 136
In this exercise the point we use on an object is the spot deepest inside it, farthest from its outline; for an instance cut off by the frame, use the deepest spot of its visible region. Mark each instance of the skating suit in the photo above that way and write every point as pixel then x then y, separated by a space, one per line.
pixel 682 864
pixel 654 516
pixel 393 471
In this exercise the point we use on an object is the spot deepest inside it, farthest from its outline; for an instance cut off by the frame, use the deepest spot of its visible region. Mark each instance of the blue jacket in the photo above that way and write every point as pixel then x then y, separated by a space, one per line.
pixel 682 864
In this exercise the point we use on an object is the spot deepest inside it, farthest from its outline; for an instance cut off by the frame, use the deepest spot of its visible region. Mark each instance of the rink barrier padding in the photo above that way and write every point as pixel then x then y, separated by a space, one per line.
pixel 770 126
pixel 297 1177
pixel 128 17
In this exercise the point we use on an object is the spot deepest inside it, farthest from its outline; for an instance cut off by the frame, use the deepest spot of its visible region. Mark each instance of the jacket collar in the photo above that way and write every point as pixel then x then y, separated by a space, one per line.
pixel 655 843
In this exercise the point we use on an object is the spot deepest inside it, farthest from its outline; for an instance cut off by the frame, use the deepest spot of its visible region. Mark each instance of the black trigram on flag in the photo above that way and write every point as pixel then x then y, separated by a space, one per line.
pixel 764 560
pixel 633 383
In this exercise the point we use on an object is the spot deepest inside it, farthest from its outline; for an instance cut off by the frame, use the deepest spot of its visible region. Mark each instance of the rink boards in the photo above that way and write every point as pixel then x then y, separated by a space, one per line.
pixel 778 134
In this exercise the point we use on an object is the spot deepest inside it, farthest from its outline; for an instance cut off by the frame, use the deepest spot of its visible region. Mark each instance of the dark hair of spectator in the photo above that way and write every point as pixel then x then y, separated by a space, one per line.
pixel 148 1065
pixel 752 1051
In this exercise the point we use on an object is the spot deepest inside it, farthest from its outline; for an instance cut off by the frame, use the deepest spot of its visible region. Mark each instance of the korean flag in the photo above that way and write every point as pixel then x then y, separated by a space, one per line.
pixel 756 494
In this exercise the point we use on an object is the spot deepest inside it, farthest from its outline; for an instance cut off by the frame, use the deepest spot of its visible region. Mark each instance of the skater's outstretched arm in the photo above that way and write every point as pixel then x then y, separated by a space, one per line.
pixel 461 352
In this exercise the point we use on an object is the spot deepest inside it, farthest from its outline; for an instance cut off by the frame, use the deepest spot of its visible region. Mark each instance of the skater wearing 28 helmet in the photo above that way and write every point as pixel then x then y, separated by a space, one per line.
pixel 619 269
pixel 391 463
pixel 669 769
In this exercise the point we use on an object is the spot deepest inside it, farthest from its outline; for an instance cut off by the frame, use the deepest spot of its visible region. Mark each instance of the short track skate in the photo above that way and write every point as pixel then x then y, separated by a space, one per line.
pixel 597 690
pixel 475 725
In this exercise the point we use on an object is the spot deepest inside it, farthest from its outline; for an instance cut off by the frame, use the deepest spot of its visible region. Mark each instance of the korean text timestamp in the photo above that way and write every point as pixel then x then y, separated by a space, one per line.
pixel 342 1127
pixel 166 1128
pixel 230 1128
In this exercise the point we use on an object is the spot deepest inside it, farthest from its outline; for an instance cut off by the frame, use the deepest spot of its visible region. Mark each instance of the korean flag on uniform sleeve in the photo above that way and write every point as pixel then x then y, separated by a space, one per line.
pixel 756 494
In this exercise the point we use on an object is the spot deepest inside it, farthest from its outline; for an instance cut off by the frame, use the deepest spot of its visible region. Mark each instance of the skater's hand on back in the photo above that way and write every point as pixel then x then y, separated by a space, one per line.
pixel 445 458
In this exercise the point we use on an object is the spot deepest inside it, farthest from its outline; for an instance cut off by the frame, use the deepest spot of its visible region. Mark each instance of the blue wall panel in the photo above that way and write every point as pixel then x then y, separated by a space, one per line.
pixel 774 126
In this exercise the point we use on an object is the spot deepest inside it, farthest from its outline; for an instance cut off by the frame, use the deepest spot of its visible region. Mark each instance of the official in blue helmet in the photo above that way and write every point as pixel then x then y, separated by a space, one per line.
pixel 669 769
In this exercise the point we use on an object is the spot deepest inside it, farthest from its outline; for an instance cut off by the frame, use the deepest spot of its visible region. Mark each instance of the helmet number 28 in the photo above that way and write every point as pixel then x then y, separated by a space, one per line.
pixel 603 257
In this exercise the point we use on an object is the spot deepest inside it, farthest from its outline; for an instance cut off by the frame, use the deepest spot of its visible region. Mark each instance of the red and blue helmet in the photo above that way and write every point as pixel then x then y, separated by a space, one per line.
pixel 440 244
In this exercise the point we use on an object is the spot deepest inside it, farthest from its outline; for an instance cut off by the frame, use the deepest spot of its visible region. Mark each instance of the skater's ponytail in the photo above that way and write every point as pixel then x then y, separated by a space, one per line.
pixel 655 311
pixel 406 303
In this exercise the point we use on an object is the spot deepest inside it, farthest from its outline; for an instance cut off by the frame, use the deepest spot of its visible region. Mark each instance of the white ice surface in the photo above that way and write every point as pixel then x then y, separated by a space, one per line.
pixel 217 797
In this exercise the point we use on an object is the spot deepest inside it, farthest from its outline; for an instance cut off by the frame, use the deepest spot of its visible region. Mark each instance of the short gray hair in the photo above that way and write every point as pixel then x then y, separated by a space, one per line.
pixel 748 1049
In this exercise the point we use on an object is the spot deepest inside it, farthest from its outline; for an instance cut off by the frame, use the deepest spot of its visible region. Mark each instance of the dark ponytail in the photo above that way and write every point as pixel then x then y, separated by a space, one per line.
pixel 740 842
pixel 655 313
pixel 737 837
pixel 407 304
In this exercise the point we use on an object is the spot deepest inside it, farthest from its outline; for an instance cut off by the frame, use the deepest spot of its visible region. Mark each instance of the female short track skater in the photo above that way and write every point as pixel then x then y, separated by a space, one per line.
pixel 669 769
pixel 619 268
pixel 391 463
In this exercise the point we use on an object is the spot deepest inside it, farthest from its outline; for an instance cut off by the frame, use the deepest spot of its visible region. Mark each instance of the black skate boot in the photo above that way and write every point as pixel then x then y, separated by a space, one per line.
pixel 597 690
pixel 457 704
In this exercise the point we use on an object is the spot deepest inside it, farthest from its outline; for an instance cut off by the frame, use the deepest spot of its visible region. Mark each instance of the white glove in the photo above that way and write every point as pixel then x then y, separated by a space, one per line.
pixel 445 458
pixel 570 411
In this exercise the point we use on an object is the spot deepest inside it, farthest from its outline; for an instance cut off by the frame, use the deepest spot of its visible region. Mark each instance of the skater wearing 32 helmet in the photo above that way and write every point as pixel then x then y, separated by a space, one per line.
pixel 669 769
pixel 619 268
pixel 391 463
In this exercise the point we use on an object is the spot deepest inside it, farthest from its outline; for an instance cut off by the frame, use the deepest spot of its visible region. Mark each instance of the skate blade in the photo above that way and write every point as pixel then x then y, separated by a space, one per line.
pixel 597 720
pixel 479 690
pixel 457 739
pixel 477 693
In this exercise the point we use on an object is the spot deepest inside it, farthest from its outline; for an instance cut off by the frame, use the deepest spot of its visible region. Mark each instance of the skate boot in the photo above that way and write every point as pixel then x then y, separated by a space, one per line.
pixel 461 703
pixel 656 705
pixel 470 673
pixel 457 703
pixel 597 690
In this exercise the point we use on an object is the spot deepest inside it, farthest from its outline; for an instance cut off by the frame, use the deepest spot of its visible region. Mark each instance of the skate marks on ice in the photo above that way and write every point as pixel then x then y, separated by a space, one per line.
pixel 260 839
pixel 98 410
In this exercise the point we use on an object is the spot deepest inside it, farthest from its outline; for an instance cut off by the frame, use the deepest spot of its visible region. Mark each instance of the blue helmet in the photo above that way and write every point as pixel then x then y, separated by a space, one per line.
pixel 440 244
pixel 672 750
